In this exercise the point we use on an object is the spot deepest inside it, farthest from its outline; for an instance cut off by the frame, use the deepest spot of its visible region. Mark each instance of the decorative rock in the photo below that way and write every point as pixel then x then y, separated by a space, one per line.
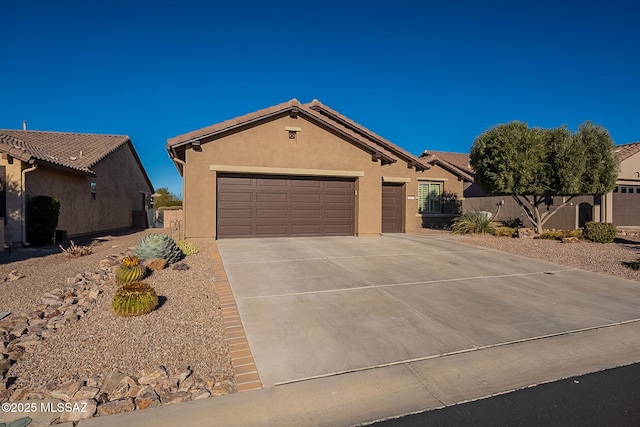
pixel 120 391
pixel 112 381
pixel 5 364
pixel 151 376
pixel 167 385
pixel 81 410
pixel 182 376
pixel 116 407
pixel 104 263
pixel 85 393
pixel 156 264
pixel 526 233
pixel 200 393
pixel 14 275
pixel 138 390
pixel 180 266
pixel 180 396
pixel 149 399
pixel 67 390
pixel 19 394
pixel 222 389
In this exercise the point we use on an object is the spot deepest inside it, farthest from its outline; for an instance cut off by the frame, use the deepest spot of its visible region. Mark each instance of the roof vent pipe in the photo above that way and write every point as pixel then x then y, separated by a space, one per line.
pixel 24 125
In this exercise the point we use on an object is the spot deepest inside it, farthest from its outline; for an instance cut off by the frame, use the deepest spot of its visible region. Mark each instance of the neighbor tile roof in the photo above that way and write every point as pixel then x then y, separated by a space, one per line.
pixel 77 151
pixel 315 111
pixel 625 151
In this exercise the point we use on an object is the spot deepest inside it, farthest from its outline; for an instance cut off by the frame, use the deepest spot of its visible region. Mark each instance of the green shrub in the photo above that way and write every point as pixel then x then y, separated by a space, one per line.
pixel 505 231
pixel 512 223
pixel 471 222
pixel 600 232
pixel 42 219
pixel 551 235
pixel 575 233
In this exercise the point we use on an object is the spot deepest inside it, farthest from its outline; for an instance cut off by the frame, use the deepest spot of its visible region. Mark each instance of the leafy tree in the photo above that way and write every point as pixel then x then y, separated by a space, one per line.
pixel 166 198
pixel 533 165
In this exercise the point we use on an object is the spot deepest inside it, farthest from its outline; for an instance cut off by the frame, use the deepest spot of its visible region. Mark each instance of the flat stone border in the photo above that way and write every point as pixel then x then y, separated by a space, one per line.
pixel 244 367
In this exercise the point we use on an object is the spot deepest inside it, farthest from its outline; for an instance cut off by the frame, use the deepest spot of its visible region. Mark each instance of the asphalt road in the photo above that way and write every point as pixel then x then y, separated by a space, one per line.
pixel 607 398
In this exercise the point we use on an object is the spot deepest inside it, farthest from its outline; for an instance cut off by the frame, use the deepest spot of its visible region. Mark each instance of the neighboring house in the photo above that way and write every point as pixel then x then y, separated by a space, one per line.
pixel 99 180
pixel 622 206
pixel 302 170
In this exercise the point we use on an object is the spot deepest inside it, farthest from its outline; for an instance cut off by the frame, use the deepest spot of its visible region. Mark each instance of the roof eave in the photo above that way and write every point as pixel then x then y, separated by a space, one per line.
pixel 298 109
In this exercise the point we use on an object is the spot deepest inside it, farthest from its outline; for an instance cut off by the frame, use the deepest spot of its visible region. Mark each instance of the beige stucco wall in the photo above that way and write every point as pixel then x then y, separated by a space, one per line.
pixel 119 191
pixel 13 172
pixel 630 169
pixel 314 148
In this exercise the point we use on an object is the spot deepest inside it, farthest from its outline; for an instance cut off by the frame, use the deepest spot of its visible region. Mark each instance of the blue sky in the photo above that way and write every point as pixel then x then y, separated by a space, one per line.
pixel 423 74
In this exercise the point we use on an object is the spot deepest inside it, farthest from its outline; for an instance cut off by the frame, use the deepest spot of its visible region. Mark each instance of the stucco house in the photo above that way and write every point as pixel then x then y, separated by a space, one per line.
pixel 621 206
pixel 303 170
pixel 99 180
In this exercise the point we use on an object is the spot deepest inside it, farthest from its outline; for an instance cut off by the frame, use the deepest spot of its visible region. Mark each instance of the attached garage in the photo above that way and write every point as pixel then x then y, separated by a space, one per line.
pixel 295 170
pixel 278 206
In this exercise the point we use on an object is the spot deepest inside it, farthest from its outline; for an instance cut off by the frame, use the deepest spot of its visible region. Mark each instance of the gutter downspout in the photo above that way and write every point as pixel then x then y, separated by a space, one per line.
pixel 24 204
pixel 184 196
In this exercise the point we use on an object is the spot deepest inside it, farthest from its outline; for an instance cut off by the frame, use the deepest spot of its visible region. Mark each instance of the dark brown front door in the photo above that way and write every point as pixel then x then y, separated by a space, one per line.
pixel 392 208
pixel 626 205
pixel 269 206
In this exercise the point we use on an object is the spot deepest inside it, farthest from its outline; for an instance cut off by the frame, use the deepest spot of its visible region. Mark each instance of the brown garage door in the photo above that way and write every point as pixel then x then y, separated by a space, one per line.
pixel 391 208
pixel 626 205
pixel 269 206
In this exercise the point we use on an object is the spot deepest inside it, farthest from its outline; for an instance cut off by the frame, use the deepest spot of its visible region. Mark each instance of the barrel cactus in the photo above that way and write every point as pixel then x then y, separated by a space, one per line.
pixel 130 274
pixel 187 248
pixel 158 246
pixel 135 299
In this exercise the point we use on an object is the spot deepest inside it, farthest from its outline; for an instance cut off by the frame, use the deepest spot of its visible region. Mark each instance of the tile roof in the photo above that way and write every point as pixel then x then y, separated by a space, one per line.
pixel 459 162
pixel 77 151
pixel 625 151
pixel 336 116
pixel 343 125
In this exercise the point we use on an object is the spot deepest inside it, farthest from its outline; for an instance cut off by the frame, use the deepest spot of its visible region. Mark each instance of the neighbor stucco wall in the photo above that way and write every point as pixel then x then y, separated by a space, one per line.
pixel 268 145
pixel 13 170
pixel 630 169
pixel 120 186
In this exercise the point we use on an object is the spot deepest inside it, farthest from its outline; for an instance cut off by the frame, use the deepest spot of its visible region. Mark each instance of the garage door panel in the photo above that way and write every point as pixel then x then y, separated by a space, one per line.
pixel 342 199
pixel 235 197
pixel 236 181
pixel 284 206
pixel 272 198
pixel 306 198
pixel 305 213
pixel 236 213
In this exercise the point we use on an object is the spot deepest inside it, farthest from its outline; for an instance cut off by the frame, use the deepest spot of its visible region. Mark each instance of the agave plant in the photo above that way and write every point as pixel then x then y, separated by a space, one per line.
pixel 158 246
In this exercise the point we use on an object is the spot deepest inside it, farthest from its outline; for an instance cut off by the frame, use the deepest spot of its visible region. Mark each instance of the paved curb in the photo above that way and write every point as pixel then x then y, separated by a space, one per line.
pixel 244 366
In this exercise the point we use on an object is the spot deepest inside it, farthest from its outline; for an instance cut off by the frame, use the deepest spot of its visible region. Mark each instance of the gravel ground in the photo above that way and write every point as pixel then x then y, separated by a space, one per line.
pixel 185 331
pixel 604 258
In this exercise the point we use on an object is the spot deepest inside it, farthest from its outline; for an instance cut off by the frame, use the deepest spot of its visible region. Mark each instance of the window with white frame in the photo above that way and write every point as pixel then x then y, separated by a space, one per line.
pixel 430 195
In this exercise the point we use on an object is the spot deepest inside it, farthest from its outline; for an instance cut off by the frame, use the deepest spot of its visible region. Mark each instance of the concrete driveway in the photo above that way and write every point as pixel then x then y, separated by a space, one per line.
pixel 315 307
